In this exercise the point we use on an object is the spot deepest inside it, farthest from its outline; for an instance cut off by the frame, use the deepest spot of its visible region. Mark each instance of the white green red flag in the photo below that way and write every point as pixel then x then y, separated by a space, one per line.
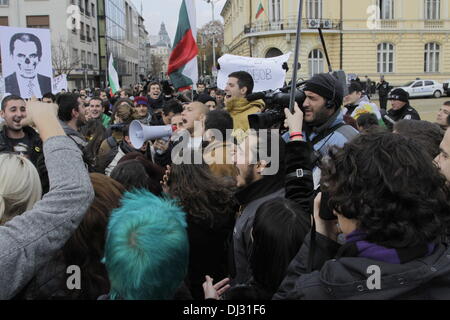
pixel 183 67
pixel 260 10
pixel 113 77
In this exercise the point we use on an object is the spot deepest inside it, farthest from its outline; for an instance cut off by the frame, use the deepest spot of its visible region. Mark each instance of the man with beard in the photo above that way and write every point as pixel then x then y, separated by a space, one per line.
pixel 71 113
pixel 96 112
pixel 14 137
pixel 255 187
pixel 324 124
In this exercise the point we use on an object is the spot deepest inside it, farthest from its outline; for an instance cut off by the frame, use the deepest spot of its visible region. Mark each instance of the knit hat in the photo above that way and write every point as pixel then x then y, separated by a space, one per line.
pixel 354 87
pixel 399 94
pixel 326 86
pixel 141 101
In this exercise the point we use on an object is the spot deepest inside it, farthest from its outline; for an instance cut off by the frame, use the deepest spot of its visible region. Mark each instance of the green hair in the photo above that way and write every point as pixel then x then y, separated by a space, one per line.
pixel 147 248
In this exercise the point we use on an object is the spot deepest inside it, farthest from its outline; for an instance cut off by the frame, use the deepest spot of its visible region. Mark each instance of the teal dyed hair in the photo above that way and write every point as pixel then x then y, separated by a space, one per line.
pixel 147 248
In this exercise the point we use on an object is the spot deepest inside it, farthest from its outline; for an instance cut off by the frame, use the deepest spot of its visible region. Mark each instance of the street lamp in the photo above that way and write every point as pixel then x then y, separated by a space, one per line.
pixel 213 34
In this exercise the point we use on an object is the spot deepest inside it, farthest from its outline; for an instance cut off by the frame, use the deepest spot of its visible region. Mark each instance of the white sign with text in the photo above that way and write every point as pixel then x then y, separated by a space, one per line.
pixel 267 73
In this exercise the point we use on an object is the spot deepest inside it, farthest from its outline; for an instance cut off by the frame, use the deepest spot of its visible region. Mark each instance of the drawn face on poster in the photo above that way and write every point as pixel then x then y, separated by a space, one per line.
pixel 26 57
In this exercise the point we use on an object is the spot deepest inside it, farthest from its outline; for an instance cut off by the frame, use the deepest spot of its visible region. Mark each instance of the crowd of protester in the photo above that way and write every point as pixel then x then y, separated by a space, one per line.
pixel 139 225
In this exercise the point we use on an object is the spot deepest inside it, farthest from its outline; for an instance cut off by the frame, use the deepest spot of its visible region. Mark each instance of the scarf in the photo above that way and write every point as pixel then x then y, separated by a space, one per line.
pixel 357 246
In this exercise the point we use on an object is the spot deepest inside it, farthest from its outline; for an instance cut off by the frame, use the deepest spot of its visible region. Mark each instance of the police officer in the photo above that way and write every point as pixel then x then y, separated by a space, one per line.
pixel 401 109
pixel 383 92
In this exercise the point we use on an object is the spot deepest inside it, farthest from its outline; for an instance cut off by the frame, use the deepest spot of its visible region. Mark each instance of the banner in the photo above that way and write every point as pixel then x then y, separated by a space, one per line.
pixel 26 61
pixel 60 83
pixel 2 88
pixel 267 73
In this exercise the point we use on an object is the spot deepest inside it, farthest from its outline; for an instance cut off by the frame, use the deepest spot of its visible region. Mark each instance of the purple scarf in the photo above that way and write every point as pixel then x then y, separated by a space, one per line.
pixel 356 245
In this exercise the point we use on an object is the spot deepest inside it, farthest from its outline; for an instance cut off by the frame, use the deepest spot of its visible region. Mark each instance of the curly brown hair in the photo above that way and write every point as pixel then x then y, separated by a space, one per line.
pixel 390 185
pixel 200 193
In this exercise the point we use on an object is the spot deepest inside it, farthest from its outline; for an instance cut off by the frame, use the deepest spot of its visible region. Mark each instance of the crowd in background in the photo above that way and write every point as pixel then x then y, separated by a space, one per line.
pixel 75 191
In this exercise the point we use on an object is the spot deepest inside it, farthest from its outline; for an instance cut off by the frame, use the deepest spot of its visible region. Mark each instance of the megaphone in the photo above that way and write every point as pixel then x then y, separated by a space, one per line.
pixel 139 133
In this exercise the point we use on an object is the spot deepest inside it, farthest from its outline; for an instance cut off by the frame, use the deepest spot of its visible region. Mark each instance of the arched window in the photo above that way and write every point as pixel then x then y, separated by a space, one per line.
pixel 432 52
pixel 314 9
pixel 432 9
pixel 273 52
pixel 315 62
pixel 385 59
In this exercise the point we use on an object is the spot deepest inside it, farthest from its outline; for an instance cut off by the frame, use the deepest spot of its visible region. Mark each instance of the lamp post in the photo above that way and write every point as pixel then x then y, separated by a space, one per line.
pixel 213 34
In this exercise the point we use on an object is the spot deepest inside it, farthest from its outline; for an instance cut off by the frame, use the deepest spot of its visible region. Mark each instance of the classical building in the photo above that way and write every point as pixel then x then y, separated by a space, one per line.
pixel 75 47
pixel 161 49
pixel 403 39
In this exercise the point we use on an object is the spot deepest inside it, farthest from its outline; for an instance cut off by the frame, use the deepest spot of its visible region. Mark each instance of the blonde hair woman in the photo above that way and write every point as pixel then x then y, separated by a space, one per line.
pixel 20 188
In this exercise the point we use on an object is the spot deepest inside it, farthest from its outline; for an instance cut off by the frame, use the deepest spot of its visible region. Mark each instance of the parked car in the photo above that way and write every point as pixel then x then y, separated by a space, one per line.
pixel 424 88
pixel 446 86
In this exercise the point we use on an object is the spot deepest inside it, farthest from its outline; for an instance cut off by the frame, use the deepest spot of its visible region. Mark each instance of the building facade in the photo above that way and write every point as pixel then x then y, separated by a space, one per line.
pixel 75 48
pixel 160 51
pixel 402 39
pixel 121 32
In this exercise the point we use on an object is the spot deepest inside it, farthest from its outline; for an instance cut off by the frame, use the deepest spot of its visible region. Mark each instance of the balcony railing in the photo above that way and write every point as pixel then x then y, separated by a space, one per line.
pixel 434 24
pixel 291 25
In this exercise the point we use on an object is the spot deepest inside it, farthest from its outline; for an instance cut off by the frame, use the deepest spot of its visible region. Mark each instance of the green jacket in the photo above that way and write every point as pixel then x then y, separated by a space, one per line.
pixel 106 121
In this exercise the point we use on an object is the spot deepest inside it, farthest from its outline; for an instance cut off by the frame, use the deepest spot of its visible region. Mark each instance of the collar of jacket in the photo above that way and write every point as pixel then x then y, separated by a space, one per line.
pixel 70 131
pixel 335 119
pixel 28 131
pixel 259 189
pixel 239 105
pixel 400 111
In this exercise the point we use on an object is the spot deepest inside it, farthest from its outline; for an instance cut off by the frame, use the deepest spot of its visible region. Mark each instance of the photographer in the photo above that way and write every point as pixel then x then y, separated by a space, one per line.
pixel 394 219
pixel 324 124
pixel 240 84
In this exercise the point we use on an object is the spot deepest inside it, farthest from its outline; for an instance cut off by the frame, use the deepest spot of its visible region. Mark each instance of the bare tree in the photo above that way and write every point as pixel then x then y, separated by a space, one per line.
pixel 205 40
pixel 157 65
pixel 62 60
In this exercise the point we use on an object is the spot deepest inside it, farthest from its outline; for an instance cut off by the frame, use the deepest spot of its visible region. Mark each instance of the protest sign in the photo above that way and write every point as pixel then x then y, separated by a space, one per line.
pixel 267 73
pixel 59 83
pixel 26 61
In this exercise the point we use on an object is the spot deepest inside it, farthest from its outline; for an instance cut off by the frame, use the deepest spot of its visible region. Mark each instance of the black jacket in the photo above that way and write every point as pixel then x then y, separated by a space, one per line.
pixel 405 113
pixel 35 147
pixel 346 277
pixel 12 85
pixel 383 89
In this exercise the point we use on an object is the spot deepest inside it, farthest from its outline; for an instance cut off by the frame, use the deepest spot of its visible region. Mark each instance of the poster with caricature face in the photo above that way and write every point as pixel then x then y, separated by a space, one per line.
pixel 26 61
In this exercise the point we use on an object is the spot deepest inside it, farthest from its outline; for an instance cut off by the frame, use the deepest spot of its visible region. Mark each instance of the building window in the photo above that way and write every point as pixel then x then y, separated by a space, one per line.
pixel 314 9
pixel 4 21
pixel 432 9
pixel 42 22
pixel 385 58
pixel 386 9
pixel 93 10
pixel 275 10
pixel 4 2
pixel 432 52
pixel 315 62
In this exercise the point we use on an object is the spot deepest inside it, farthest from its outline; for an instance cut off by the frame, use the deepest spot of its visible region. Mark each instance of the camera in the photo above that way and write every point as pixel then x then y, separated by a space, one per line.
pixel 276 101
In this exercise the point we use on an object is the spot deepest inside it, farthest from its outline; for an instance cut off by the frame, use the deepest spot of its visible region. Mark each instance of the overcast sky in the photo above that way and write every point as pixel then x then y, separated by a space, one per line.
pixel 157 11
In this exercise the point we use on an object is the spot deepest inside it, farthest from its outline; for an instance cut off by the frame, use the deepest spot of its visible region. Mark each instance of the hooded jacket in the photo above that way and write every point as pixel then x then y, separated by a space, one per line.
pixel 240 109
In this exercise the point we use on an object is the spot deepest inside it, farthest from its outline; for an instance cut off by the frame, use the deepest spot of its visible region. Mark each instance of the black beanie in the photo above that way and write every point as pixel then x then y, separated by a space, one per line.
pixel 326 86
pixel 399 94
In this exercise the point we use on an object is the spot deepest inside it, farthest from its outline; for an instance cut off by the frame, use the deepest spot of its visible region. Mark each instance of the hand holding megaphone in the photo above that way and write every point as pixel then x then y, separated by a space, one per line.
pixel 140 134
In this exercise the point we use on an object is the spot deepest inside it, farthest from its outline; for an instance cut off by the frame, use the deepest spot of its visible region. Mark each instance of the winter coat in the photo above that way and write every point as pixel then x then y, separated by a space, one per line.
pixel 30 240
pixel 35 147
pixel 240 109
pixel 347 278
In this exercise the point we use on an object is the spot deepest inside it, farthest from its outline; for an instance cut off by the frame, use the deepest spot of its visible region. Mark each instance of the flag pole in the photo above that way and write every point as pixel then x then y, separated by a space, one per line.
pixel 296 56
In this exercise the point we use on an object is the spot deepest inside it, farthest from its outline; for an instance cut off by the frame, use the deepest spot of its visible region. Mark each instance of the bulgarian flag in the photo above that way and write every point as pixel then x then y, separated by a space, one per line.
pixel 260 10
pixel 113 77
pixel 183 68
